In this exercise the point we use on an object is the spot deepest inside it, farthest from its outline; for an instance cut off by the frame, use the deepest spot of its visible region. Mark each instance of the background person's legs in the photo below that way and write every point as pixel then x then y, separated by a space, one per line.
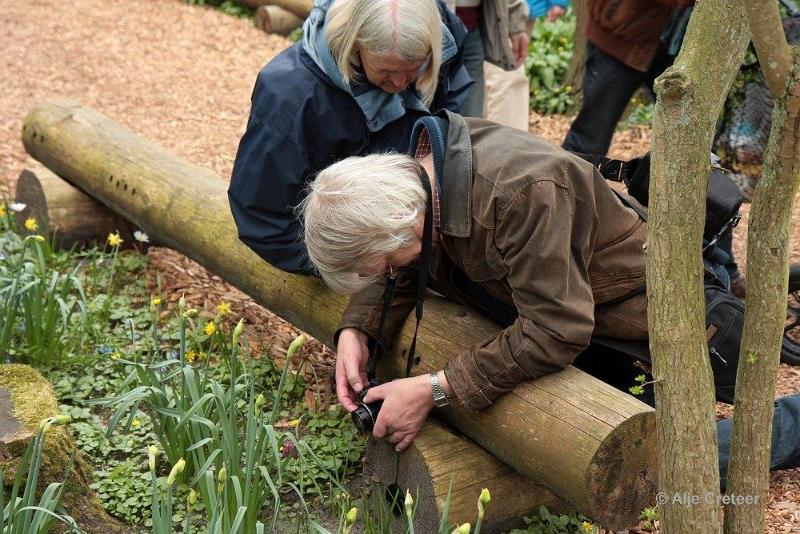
pixel 507 96
pixel 473 62
pixel 785 438
pixel 608 85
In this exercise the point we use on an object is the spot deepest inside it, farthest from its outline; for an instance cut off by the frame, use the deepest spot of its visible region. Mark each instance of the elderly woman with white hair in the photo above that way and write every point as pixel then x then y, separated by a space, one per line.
pixel 364 72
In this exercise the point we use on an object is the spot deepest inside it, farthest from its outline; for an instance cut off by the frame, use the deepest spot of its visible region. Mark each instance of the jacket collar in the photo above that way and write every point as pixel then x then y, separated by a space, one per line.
pixel 452 161
pixel 379 108
pixel 456 178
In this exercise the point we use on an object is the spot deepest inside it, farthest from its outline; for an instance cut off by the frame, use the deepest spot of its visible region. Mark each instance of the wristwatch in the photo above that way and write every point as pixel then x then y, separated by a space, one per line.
pixel 439 398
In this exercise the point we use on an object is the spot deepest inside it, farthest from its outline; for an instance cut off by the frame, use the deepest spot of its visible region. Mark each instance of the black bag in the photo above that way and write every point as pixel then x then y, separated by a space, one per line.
pixel 724 311
pixel 722 201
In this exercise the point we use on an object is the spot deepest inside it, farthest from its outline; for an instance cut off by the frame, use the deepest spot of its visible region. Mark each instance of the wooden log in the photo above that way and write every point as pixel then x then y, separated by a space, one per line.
pixel 587 442
pixel 301 8
pixel 439 462
pixel 71 217
pixel 274 19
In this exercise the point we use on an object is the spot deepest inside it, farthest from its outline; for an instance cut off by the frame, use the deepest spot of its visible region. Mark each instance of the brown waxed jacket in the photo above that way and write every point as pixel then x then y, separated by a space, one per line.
pixel 537 228
pixel 630 30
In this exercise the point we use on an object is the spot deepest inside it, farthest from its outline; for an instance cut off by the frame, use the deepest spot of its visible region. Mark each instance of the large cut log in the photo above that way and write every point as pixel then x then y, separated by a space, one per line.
pixel 71 217
pixel 274 19
pixel 439 463
pixel 590 444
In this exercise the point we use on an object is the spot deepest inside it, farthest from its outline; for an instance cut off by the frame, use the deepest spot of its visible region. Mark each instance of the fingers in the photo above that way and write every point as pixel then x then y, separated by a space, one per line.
pixel 344 393
pixel 381 427
pixel 405 442
pixel 378 392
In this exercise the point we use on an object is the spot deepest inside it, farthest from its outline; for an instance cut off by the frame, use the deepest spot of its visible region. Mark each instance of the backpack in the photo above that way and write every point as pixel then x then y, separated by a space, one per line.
pixel 724 311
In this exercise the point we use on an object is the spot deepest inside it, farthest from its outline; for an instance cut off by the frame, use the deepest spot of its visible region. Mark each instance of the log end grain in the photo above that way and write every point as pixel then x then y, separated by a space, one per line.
pixel 623 472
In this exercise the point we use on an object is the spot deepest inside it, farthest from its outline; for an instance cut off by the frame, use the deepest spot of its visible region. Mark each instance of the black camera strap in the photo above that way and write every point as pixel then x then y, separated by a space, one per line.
pixel 423 264
pixel 422 282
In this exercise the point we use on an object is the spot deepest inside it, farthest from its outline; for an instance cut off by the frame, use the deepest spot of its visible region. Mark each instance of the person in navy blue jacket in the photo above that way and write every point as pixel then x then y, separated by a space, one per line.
pixel 364 72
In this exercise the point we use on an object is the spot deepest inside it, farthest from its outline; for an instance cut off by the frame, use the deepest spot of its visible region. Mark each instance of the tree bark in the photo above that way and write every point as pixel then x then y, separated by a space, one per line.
pixel 767 275
pixel 70 217
pixel 439 462
pixel 590 444
pixel 577 63
pixel 690 96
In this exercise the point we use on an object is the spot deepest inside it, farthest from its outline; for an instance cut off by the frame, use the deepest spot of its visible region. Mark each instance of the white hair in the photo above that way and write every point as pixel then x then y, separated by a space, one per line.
pixel 359 211
pixel 412 29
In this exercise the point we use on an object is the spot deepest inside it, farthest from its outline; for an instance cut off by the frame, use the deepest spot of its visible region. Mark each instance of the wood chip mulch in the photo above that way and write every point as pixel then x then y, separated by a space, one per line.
pixel 182 76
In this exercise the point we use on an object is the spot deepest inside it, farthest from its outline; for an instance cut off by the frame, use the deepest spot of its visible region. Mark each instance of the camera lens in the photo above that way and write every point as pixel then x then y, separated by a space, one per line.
pixel 362 418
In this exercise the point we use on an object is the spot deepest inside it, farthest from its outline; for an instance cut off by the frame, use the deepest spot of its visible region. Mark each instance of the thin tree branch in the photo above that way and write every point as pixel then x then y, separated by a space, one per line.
pixel 774 54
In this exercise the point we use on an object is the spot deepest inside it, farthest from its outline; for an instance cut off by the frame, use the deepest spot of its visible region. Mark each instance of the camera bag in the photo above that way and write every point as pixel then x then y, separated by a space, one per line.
pixel 724 311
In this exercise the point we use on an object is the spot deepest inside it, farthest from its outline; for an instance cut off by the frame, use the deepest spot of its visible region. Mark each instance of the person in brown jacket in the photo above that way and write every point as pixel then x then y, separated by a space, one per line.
pixel 515 222
pixel 517 232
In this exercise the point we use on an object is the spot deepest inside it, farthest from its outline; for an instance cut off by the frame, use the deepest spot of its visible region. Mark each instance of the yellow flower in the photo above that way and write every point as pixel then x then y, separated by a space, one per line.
pixel 210 328
pixel 116 355
pixel 223 308
pixel 31 224
pixel 155 301
pixel 587 527
pixel 191 356
pixel 294 422
pixel 2 210
pixel 136 423
pixel 114 239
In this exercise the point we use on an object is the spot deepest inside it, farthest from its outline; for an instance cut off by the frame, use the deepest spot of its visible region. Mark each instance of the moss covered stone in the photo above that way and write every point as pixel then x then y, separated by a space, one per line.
pixel 26 398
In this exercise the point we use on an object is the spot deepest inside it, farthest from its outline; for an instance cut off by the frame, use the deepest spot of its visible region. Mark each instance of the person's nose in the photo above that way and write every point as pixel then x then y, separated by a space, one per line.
pixel 400 81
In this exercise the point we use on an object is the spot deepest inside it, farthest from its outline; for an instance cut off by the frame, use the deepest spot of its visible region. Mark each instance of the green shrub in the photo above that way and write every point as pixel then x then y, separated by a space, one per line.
pixel 549 55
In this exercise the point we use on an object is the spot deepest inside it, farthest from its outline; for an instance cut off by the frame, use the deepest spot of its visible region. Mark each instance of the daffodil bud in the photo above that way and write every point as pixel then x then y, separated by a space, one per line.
pixel 222 475
pixel 191 498
pixel 237 332
pixel 191 312
pixel 176 470
pixel 61 419
pixel 182 304
pixel 463 529
pixel 38 238
pixel 349 520
pixel 259 402
pixel 296 345
pixel 409 505
pixel 483 500
pixel 351 516
pixel 152 452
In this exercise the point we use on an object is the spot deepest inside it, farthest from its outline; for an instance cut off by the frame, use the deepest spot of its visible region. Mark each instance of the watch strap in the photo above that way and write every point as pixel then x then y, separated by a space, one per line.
pixel 439 397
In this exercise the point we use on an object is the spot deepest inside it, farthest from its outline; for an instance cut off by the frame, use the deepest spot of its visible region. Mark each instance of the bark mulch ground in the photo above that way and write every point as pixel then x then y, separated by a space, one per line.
pixel 182 76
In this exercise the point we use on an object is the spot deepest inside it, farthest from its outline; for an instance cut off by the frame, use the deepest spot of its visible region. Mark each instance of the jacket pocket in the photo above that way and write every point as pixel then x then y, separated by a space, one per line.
pixel 632 20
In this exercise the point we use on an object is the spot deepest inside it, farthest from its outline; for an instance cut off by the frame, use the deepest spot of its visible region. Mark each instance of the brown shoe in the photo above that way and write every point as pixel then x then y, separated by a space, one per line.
pixel 739 287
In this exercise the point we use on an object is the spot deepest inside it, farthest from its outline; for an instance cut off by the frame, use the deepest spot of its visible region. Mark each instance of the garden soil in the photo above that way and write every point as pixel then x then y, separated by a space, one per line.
pixel 182 76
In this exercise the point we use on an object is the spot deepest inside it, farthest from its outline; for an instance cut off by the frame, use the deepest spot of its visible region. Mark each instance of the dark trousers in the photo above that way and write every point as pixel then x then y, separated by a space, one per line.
pixel 608 85
pixel 785 438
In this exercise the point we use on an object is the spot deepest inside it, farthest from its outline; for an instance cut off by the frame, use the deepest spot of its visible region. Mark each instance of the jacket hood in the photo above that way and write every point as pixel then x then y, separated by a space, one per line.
pixel 379 107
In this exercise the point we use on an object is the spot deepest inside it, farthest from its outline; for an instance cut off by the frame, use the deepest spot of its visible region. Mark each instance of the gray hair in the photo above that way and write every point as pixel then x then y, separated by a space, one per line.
pixel 359 211
pixel 410 28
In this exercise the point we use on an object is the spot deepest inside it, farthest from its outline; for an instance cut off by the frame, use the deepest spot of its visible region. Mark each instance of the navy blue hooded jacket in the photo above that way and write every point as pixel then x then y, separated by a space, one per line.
pixel 301 121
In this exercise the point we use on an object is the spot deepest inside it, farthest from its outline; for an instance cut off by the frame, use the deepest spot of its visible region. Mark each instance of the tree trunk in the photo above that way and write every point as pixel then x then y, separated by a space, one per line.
pixel 587 442
pixel 767 276
pixel 65 213
pixel 574 76
pixel 690 96
pixel 439 462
